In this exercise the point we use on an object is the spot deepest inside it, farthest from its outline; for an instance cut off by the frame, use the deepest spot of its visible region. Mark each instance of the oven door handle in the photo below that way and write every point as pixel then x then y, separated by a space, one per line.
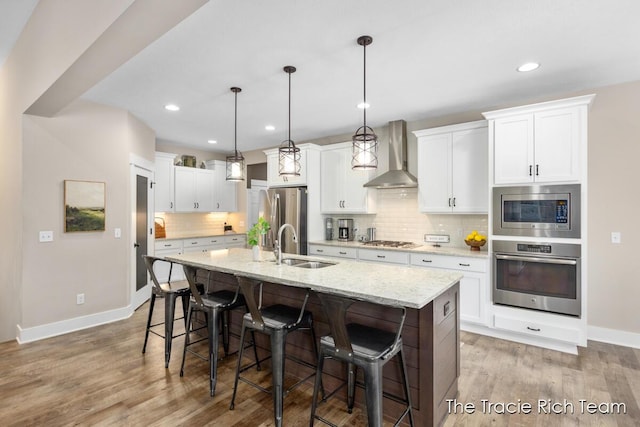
pixel 560 261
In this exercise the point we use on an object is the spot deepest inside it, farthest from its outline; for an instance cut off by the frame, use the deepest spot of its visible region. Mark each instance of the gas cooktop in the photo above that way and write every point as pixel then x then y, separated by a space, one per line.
pixel 391 244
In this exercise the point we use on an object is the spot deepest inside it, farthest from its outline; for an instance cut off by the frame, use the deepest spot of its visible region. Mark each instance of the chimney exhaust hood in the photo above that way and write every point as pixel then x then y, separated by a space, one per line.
pixel 397 176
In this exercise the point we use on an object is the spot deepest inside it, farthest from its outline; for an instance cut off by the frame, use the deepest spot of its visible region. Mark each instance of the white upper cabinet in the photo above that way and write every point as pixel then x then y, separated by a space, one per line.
pixel 342 188
pixel 225 198
pixel 453 168
pixel 540 142
pixel 193 189
pixel 164 182
pixel 309 167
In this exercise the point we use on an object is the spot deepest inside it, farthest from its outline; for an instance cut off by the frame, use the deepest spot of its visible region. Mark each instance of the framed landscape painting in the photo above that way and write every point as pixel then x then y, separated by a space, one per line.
pixel 84 206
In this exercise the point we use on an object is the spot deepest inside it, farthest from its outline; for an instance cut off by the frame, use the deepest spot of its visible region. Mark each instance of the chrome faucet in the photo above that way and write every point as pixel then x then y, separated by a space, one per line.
pixel 278 244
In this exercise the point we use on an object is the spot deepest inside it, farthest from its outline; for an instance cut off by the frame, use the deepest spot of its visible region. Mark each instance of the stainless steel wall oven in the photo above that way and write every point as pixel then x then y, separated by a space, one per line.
pixel 539 276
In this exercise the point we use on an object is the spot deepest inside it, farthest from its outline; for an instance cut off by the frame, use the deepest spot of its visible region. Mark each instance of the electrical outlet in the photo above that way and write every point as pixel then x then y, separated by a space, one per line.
pixel 80 299
pixel 616 237
pixel 46 236
pixel 117 233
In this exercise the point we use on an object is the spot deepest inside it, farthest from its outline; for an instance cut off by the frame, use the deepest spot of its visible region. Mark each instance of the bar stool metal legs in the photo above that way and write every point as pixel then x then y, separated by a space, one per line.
pixel 276 321
pixel 364 347
pixel 215 305
pixel 170 291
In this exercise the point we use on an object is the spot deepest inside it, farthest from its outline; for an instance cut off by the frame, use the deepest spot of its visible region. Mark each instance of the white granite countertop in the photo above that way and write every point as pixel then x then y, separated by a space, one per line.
pixel 181 236
pixel 450 251
pixel 411 287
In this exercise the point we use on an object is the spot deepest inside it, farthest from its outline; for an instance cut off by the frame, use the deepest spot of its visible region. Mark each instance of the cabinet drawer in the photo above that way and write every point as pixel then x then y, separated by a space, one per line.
pixel 235 241
pixel 217 240
pixel 543 330
pixel 167 244
pixel 383 256
pixel 450 262
pixel 191 243
pixel 334 251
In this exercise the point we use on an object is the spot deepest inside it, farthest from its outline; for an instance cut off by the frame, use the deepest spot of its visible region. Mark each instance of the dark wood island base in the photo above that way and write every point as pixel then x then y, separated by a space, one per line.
pixel 431 337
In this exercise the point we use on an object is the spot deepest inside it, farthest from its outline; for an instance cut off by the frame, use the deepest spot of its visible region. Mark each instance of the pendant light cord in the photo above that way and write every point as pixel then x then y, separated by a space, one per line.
pixel 364 46
pixel 235 125
pixel 289 135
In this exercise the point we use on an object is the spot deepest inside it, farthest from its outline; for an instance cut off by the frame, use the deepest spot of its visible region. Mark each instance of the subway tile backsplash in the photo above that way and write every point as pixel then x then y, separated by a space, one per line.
pixel 178 225
pixel 398 219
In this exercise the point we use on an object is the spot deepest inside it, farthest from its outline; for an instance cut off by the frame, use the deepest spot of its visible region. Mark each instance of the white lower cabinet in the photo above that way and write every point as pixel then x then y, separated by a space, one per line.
pixel 377 255
pixel 474 290
pixel 235 241
pixel 334 251
pixel 537 328
pixel 204 244
pixel 160 268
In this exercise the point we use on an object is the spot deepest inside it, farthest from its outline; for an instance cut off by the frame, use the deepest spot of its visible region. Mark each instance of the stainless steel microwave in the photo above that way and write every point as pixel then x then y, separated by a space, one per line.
pixel 537 211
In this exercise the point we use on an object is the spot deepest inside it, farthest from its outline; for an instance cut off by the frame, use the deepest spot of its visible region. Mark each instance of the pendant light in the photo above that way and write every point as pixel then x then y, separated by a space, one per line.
pixel 288 153
pixel 365 142
pixel 235 162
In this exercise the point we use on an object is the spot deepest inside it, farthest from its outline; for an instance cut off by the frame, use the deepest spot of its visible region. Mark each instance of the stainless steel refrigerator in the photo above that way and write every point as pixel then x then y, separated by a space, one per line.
pixel 285 206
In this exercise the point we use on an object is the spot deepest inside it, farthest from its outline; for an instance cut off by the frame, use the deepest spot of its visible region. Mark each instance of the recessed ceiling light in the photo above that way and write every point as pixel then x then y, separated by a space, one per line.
pixel 212 141
pixel 270 127
pixel 529 66
pixel 364 105
pixel 172 107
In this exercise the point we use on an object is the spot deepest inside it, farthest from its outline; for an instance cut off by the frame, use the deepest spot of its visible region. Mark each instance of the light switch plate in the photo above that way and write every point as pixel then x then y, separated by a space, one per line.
pixel 616 237
pixel 117 233
pixel 46 236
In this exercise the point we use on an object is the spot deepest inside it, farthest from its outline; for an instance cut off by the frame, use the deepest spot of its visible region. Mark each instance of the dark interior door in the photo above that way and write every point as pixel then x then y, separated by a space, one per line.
pixel 142 188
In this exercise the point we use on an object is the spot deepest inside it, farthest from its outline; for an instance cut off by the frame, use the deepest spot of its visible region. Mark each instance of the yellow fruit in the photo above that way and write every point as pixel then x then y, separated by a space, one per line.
pixel 479 238
pixel 474 232
pixel 470 236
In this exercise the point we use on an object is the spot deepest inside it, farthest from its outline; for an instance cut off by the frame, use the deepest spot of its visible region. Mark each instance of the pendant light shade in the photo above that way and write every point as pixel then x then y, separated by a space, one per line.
pixel 364 153
pixel 235 162
pixel 288 153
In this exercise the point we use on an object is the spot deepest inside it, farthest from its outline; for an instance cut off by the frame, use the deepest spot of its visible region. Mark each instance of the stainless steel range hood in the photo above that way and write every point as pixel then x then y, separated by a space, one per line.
pixel 397 176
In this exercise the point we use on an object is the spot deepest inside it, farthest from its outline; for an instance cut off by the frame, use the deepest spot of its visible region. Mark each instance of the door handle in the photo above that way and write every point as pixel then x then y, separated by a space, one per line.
pixel 530 170
pixel 136 245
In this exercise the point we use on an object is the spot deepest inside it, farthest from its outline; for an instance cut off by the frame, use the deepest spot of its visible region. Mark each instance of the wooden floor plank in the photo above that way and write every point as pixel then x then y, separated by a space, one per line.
pixel 100 377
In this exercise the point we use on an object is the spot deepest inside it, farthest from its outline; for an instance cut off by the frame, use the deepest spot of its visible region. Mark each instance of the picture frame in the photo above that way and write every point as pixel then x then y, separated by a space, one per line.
pixel 84 206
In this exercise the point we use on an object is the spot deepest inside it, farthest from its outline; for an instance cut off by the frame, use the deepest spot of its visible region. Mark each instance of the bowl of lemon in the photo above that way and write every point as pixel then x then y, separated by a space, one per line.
pixel 475 240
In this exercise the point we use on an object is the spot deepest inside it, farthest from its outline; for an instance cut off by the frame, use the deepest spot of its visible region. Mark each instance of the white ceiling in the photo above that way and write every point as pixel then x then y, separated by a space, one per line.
pixel 428 59
pixel 13 15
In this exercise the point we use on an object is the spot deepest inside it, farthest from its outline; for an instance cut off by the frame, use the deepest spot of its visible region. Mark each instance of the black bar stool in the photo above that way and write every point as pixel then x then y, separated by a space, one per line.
pixel 215 306
pixel 276 321
pixel 360 346
pixel 170 291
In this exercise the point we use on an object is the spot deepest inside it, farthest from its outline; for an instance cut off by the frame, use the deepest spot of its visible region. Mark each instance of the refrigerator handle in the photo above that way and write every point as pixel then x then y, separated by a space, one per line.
pixel 275 218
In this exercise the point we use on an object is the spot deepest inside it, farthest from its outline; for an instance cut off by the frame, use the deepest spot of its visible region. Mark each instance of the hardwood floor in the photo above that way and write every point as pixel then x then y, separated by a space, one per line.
pixel 99 377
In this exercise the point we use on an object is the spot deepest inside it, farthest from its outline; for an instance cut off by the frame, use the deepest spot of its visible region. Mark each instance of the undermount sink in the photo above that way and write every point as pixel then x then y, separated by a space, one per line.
pixel 293 261
pixel 314 264
pixel 306 264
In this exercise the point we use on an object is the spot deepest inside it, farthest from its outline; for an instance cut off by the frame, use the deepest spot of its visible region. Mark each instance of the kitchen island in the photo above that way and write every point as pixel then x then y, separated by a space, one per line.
pixel 430 334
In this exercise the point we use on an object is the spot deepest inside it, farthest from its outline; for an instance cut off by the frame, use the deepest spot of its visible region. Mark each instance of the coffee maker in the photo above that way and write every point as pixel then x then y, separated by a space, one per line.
pixel 345 230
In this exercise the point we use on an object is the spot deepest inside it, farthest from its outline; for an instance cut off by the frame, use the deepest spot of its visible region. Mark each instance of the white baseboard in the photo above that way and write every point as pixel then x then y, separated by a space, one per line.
pixel 25 335
pixel 613 336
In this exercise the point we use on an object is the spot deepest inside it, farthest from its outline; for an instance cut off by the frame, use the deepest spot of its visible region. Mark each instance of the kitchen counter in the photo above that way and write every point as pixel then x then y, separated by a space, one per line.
pixel 181 236
pixel 376 283
pixel 450 251
pixel 431 332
